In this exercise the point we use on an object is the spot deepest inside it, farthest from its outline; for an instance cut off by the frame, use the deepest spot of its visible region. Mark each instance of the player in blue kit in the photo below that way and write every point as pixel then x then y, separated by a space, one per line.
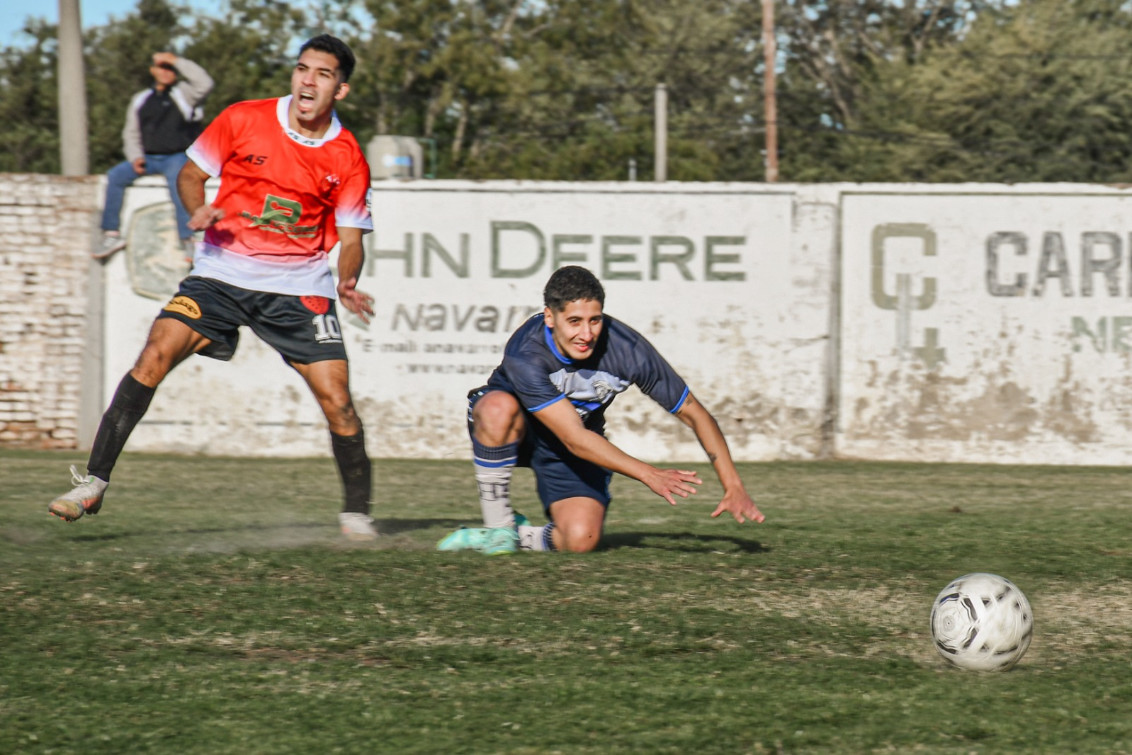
pixel 544 407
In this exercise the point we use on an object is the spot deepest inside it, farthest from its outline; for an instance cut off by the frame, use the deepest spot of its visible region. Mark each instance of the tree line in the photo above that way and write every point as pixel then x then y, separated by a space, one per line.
pixel 867 90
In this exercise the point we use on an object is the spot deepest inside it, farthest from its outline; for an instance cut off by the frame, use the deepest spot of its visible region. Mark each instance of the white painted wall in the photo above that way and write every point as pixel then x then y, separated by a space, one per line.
pixel 980 323
pixel 986 324
pixel 706 272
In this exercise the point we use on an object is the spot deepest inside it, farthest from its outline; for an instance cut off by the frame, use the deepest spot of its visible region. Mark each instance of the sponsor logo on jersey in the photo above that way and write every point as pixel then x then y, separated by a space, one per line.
pixel 183 305
pixel 320 305
pixel 280 215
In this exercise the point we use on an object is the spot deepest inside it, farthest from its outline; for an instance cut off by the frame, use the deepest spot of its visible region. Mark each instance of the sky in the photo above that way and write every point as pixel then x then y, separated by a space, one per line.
pixel 92 13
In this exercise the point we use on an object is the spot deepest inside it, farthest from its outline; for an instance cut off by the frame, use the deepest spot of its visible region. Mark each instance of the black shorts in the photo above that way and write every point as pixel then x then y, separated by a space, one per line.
pixel 559 474
pixel 303 329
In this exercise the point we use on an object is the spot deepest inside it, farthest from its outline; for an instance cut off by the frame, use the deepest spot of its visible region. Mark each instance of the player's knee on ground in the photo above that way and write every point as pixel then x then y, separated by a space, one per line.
pixel 576 538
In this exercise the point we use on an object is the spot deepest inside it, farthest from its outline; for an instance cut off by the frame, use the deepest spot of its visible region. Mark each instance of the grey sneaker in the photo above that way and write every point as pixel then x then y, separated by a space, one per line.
pixel 108 246
pixel 85 498
pixel 357 526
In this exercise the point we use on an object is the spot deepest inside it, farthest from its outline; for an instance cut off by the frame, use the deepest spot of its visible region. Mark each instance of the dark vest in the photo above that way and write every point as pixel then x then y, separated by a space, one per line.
pixel 164 129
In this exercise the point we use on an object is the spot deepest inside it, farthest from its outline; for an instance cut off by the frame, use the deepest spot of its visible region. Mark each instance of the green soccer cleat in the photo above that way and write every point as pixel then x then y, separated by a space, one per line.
pixel 84 498
pixel 490 541
pixel 501 541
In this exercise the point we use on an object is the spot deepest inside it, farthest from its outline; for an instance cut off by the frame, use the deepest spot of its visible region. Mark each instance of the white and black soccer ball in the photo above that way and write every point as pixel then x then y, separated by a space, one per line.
pixel 982 622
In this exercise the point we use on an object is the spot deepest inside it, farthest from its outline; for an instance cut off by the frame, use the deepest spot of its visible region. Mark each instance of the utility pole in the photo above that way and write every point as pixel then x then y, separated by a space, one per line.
pixel 73 153
pixel 661 146
pixel 770 104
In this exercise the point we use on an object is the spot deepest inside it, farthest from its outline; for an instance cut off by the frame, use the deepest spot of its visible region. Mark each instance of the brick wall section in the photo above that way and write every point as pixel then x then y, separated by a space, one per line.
pixel 47 225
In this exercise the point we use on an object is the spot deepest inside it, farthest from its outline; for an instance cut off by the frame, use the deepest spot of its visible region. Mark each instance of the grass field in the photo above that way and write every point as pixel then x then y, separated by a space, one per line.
pixel 212 608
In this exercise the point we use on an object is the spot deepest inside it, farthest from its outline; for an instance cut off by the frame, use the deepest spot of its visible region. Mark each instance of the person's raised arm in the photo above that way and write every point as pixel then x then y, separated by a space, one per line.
pixel 561 419
pixel 735 497
pixel 194 81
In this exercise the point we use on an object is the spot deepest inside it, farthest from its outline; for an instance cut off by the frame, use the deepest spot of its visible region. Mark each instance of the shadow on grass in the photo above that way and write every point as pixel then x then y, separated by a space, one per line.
pixel 307 532
pixel 384 526
pixel 397 526
pixel 679 542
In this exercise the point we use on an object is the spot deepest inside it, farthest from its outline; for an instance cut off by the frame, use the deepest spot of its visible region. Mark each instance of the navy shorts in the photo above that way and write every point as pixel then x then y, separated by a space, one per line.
pixel 303 329
pixel 558 473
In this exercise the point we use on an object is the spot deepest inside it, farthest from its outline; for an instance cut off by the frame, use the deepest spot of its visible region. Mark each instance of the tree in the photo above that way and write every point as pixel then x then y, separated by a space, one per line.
pixel 601 63
pixel 246 52
pixel 833 52
pixel 869 90
pixel 1034 93
pixel 249 52
pixel 29 106
pixel 430 67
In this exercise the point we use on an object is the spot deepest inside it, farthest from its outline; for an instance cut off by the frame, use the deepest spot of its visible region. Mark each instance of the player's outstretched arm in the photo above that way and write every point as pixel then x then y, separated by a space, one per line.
pixel 735 497
pixel 564 422
pixel 350 257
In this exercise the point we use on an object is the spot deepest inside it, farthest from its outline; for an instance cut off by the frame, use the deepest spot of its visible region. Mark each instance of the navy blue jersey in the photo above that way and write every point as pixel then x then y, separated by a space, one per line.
pixel 538 374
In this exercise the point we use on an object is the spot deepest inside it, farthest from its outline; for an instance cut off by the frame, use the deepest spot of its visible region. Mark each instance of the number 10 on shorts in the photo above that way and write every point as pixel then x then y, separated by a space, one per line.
pixel 326 329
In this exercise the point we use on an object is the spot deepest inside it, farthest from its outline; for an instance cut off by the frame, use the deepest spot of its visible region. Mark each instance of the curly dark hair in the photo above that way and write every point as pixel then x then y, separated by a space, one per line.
pixel 572 283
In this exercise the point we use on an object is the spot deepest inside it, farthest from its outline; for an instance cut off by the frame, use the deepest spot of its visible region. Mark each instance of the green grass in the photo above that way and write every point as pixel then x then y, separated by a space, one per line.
pixel 213 608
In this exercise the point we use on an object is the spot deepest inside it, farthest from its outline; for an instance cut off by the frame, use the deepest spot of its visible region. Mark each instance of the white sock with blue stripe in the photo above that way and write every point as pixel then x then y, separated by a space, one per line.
pixel 494 465
pixel 532 538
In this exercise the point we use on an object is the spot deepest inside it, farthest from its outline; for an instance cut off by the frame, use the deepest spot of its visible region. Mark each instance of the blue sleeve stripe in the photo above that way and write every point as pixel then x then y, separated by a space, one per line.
pixel 680 403
pixel 542 406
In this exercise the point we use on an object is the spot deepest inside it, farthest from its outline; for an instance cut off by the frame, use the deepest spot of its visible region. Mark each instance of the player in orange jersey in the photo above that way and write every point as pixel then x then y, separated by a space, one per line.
pixel 293 183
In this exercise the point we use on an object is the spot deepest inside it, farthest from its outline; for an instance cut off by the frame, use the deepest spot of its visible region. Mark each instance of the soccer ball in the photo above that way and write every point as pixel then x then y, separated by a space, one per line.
pixel 982 622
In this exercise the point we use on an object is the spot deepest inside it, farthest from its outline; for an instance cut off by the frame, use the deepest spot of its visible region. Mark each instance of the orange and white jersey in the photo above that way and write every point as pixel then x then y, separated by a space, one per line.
pixel 284 196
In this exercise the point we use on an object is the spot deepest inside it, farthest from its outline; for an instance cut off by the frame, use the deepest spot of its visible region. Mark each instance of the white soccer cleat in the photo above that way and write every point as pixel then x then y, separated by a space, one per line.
pixel 84 498
pixel 358 527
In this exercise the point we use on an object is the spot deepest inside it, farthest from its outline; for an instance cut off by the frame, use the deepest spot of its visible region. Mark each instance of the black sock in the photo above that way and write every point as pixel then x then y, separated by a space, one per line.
pixel 129 405
pixel 355 469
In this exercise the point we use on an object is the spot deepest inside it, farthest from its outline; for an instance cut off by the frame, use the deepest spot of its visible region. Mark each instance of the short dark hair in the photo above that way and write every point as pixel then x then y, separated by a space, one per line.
pixel 572 283
pixel 336 47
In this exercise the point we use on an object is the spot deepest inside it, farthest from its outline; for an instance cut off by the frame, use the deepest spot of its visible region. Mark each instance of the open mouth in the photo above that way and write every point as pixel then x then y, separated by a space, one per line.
pixel 306 101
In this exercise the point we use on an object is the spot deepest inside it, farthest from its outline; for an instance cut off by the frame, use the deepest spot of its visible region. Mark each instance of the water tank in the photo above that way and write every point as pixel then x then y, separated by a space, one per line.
pixel 395 157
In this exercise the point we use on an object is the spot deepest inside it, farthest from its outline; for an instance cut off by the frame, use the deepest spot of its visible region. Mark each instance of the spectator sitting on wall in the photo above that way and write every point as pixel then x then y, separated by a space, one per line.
pixel 161 122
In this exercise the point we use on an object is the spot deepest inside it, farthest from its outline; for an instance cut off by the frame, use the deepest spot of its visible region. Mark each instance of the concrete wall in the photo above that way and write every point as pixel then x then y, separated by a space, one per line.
pixel 949 323
pixel 986 323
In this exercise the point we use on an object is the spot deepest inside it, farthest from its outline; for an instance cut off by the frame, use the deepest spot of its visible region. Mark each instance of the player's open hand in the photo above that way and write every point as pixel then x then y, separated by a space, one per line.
pixel 669 483
pixel 359 303
pixel 741 507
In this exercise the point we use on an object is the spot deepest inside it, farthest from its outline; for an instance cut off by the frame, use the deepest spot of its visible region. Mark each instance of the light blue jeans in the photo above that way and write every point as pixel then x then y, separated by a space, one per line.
pixel 122 175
